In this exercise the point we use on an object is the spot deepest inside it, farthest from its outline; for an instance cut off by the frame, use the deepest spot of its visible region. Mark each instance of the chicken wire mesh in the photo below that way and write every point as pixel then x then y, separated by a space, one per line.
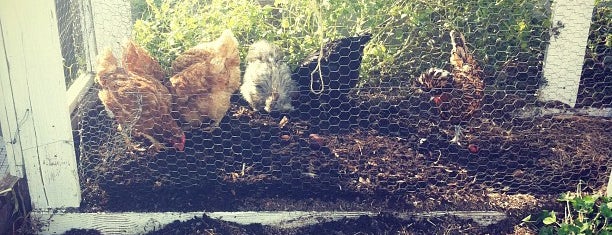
pixel 3 157
pixel 375 136
pixel 72 32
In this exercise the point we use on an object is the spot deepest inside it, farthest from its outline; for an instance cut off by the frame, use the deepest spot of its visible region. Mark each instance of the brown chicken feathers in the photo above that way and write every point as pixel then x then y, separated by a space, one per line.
pixel 457 94
pixel 204 79
pixel 138 61
pixel 136 98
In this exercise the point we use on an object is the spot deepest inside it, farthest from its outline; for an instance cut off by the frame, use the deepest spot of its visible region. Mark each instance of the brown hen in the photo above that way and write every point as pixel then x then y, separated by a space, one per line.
pixel 139 102
pixel 140 62
pixel 457 94
pixel 205 77
pixel 467 76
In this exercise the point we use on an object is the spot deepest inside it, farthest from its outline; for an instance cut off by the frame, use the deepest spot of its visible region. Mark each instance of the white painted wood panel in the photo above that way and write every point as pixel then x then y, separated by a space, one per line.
pixel 565 54
pixel 140 223
pixel 3 160
pixel 8 116
pixel 609 188
pixel 78 89
pixel 39 125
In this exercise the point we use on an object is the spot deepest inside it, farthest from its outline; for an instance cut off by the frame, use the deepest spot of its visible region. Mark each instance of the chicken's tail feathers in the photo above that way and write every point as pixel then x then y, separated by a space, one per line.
pixel 227 39
pixel 137 59
pixel 459 54
pixel 457 38
pixel 128 46
pixel 106 63
pixel 228 48
pixel 129 51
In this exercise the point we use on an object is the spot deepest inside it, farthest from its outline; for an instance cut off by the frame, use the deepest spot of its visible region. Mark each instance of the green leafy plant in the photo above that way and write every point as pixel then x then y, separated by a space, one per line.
pixel 169 27
pixel 600 39
pixel 583 214
pixel 408 36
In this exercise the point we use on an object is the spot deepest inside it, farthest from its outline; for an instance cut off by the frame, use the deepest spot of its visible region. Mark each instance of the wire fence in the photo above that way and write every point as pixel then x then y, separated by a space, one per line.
pixel 424 120
pixel 4 164
pixel 71 29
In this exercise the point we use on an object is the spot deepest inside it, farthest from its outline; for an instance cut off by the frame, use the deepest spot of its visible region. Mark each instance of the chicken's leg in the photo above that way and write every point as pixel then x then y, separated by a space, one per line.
pixel 458 135
pixel 130 145
pixel 156 146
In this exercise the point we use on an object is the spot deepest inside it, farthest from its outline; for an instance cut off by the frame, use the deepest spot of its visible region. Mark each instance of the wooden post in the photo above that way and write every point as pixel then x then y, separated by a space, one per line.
pixel 565 54
pixel 141 223
pixel 8 117
pixel 36 124
pixel 609 188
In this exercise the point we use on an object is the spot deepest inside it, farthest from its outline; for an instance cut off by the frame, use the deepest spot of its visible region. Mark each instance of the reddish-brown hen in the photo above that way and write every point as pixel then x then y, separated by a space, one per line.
pixel 138 61
pixel 467 76
pixel 138 100
pixel 457 94
pixel 205 77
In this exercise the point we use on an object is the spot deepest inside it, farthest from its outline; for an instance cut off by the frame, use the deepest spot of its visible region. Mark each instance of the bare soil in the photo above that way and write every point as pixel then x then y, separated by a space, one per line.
pixel 382 152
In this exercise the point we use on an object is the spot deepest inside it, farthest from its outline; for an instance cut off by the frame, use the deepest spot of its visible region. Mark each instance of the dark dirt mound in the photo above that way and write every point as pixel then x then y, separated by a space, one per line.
pixel 207 225
pixel 384 224
pixel 82 232
pixel 380 224
pixel 392 155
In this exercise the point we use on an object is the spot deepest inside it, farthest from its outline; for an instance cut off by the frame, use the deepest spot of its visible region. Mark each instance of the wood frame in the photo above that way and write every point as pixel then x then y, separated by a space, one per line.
pixel 140 223
pixel 35 106
pixel 36 123
pixel 565 53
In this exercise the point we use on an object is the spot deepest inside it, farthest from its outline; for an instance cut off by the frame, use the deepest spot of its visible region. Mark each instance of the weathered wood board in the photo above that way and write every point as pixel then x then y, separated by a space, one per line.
pixel 140 223
pixel 36 122
pixel 565 54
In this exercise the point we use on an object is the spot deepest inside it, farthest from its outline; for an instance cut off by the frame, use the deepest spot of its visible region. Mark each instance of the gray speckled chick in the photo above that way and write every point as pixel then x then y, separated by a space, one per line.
pixel 267 82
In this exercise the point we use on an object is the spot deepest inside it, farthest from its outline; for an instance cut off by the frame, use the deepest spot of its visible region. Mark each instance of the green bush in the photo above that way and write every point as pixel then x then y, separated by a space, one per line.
pixel 583 214
pixel 170 27
pixel 408 36
pixel 600 37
